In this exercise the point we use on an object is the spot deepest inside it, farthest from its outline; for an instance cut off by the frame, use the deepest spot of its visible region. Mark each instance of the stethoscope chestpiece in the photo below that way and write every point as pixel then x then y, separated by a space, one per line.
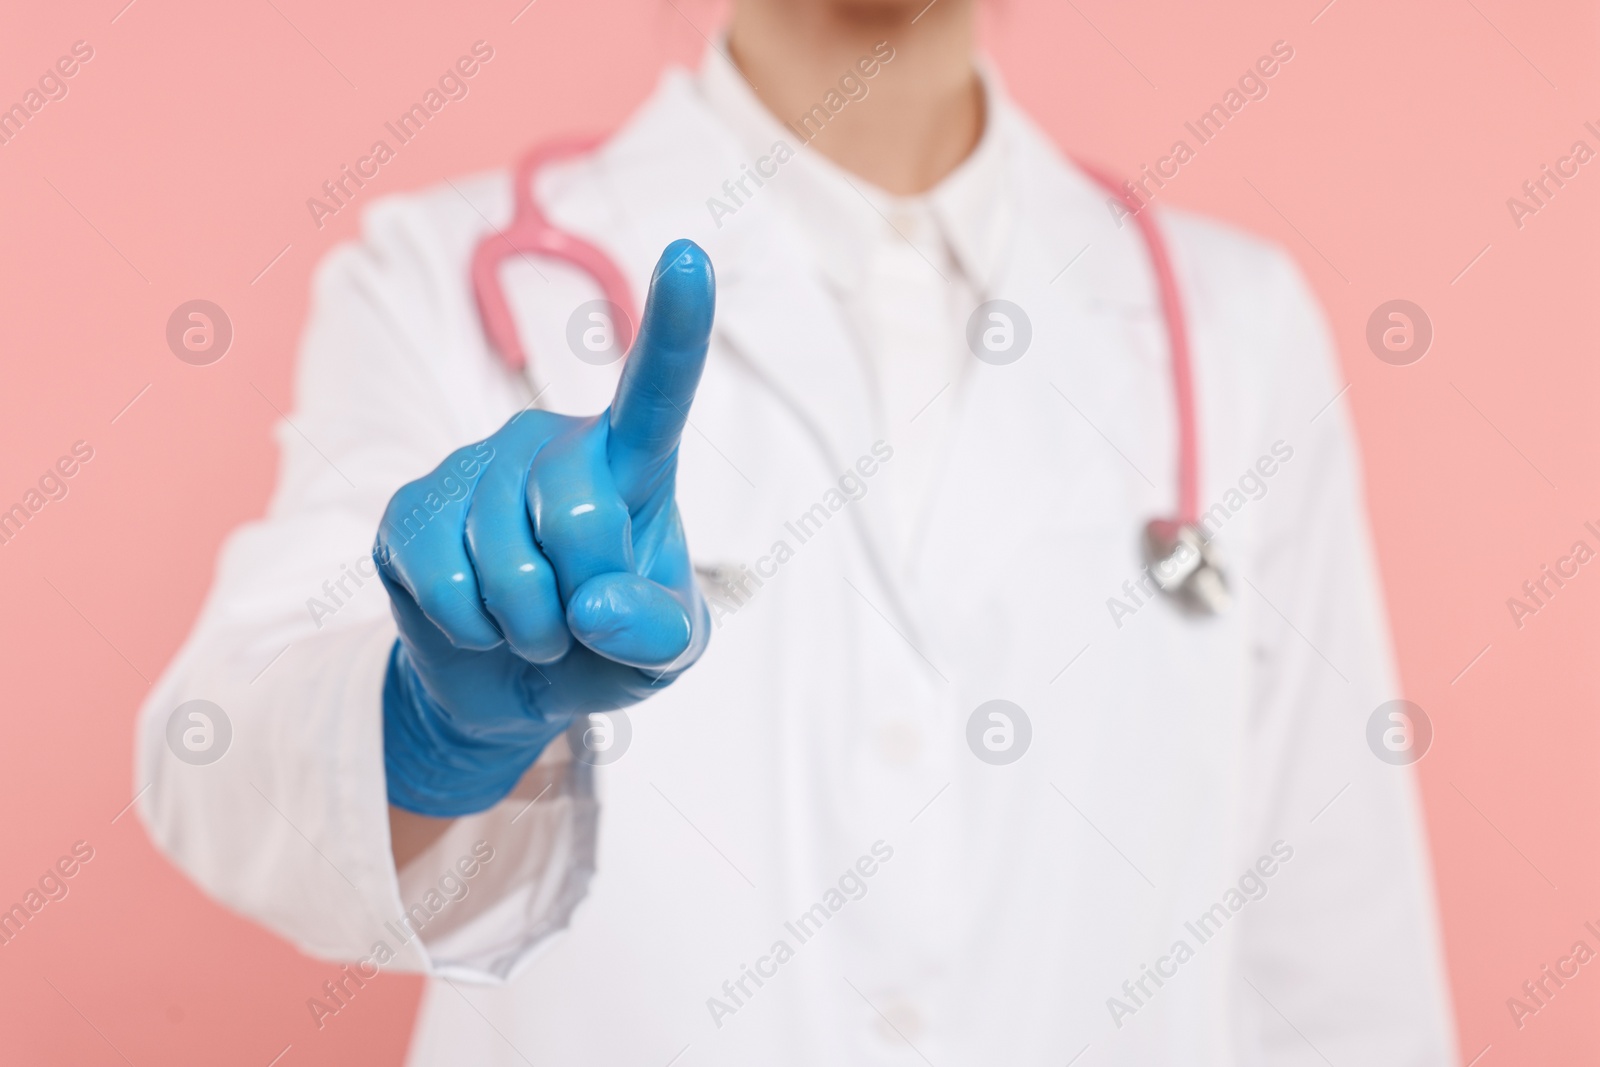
pixel 1185 566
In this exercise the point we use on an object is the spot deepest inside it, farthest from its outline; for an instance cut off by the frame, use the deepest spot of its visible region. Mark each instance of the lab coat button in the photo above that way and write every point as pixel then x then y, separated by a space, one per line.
pixel 898 1021
pixel 899 742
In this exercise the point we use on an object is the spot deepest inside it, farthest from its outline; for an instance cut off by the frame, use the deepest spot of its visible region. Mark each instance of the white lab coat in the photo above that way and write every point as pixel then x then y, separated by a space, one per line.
pixel 830 713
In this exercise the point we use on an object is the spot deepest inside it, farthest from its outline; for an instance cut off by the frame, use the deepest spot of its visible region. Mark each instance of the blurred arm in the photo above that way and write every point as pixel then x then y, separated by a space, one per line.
pixel 292 826
pixel 1344 949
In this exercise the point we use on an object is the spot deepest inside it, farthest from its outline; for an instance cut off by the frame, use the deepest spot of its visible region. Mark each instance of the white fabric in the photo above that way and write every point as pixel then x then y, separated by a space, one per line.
pixel 830 713
pixel 903 271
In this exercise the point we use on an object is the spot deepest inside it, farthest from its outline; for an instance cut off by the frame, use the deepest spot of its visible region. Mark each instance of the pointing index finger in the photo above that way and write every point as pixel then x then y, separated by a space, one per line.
pixel 662 372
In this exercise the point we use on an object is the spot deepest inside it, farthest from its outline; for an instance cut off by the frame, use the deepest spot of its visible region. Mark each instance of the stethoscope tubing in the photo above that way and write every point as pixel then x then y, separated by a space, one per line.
pixel 532 233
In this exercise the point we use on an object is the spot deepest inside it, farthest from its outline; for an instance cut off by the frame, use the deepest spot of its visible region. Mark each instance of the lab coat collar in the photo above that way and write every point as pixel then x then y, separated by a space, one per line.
pixel 775 315
pixel 776 319
pixel 843 217
pixel 772 308
pixel 674 155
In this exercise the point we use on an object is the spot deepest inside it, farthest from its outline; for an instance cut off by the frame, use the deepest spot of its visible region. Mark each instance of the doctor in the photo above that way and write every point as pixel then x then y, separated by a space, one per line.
pixel 661 726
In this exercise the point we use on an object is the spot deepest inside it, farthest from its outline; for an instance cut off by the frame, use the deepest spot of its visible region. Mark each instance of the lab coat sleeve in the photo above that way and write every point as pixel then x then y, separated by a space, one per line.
pixel 1341 961
pixel 290 825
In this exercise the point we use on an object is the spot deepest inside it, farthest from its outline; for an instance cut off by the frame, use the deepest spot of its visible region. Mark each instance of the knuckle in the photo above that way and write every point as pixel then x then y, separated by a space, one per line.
pixel 403 500
pixel 582 519
pixel 513 595
pixel 468 461
pixel 413 507
pixel 383 554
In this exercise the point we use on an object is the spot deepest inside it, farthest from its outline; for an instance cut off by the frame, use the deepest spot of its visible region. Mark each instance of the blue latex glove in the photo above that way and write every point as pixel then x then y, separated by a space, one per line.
pixel 543 573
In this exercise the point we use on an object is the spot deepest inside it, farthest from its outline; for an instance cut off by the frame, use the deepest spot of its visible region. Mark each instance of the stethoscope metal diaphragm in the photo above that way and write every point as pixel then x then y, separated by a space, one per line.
pixel 1185 566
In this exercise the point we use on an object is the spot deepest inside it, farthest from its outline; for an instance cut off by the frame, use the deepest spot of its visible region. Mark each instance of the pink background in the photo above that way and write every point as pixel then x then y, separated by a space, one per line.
pixel 179 165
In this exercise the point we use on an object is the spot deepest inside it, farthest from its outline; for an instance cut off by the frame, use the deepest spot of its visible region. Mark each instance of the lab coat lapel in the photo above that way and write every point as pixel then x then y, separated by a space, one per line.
pixel 772 310
pixel 1097 358
pixel 776 317
pixel 774 314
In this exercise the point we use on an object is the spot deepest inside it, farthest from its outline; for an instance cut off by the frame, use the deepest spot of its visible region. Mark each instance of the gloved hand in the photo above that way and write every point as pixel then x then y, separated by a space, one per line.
pixel 543 573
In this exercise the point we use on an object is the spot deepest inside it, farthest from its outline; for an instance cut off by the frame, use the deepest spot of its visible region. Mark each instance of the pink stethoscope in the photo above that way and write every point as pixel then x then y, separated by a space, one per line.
pixel 1180 559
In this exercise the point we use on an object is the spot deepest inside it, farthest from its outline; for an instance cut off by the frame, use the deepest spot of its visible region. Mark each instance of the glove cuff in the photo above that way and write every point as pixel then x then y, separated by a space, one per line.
pixel 433 768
